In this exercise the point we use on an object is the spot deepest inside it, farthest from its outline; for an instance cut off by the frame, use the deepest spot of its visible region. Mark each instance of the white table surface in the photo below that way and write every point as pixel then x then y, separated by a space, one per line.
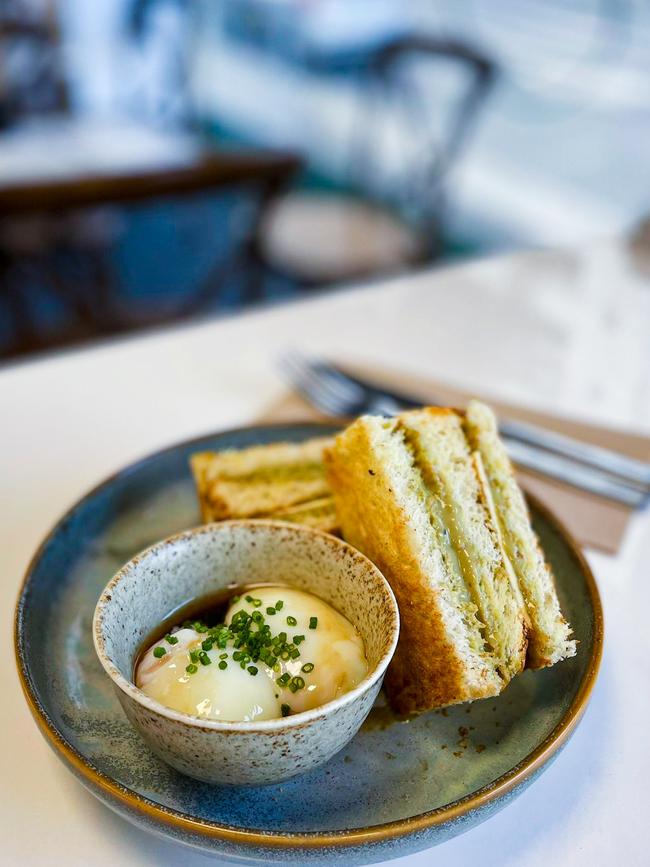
pixel 563 331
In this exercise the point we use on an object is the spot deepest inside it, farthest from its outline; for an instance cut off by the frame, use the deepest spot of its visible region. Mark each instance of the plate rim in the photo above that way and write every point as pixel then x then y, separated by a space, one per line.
pixel 178 821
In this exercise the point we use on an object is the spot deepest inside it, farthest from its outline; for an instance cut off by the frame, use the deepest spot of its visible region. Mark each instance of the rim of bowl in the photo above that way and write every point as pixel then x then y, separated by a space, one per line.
pixel 271 725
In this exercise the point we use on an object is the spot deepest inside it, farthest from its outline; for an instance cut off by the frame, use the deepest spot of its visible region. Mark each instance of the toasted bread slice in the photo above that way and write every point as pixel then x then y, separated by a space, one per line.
pixel 549 638
pixel 388 509
pixel 261 480
pixel 319 514
pixel 461 505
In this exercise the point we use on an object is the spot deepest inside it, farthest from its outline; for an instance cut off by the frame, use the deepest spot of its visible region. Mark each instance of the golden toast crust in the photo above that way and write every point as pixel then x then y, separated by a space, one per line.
pixel 260 480
pixel 426 670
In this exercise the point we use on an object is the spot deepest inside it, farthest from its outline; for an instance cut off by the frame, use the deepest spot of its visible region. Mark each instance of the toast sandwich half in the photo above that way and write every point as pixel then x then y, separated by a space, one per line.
pixel 412 493
pixel 280 480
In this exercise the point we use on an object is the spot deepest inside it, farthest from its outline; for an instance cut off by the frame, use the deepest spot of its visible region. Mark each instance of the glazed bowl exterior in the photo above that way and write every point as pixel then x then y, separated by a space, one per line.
pixel 202 561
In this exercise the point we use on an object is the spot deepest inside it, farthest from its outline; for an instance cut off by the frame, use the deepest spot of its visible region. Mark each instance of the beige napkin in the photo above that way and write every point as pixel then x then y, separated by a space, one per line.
pixel 593 520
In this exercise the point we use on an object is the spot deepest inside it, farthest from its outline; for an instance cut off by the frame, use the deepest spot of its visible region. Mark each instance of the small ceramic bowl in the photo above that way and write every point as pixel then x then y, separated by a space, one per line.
pixel 201 561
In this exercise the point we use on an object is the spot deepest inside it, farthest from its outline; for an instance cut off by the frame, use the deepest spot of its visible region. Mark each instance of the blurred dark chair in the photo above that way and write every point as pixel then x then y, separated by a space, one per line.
pixel 321 238
pixel 60 178
pixel 31 80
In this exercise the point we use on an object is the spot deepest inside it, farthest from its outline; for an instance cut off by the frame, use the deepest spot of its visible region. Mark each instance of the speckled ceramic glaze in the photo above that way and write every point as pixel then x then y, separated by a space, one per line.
pixel 207 559
pixel 397 787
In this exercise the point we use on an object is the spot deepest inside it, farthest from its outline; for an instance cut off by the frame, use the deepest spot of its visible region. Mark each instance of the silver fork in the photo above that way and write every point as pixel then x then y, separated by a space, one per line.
pixel 336 393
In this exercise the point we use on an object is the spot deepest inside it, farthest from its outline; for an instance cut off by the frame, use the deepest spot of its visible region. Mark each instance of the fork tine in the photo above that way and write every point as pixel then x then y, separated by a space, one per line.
pixel 311 386
pixel 299 366
pixel 321 384
pixel 337 380
pixel 354 396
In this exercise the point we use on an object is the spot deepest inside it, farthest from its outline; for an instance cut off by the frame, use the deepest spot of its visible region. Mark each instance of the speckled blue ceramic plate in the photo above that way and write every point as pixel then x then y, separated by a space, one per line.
pixel 396 788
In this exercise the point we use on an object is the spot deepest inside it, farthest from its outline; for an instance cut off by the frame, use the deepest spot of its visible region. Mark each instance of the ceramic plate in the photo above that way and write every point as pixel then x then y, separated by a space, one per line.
pixel 397 787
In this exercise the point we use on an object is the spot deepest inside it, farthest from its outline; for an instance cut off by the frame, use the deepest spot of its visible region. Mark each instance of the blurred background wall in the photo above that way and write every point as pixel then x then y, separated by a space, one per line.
pixel 167 158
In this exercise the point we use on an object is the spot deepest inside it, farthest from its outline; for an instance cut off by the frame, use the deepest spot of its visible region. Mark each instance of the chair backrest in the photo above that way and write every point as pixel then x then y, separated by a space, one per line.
pixel 420 185
pixel 31 71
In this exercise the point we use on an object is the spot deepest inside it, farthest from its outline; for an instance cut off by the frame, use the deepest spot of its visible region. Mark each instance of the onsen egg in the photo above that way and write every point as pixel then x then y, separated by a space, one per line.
pixel 332 658
pixel 293 652
pixel 229 693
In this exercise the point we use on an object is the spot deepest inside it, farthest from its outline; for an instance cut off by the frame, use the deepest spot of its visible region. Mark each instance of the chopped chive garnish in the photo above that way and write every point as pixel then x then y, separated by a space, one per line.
pixel 286 710
pixel 248 640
